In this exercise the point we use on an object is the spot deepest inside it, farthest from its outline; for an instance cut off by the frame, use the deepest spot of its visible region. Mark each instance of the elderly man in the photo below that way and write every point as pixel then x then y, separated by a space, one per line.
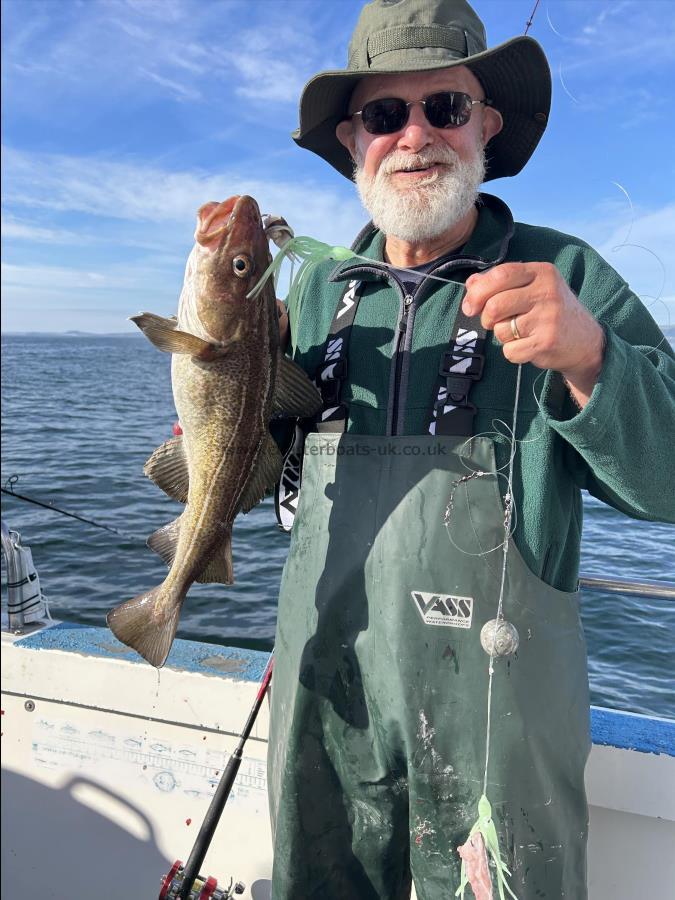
pixel 379 744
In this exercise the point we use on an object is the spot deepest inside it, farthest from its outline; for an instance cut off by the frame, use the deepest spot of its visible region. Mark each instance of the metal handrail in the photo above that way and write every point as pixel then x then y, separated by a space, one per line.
pixel 652 590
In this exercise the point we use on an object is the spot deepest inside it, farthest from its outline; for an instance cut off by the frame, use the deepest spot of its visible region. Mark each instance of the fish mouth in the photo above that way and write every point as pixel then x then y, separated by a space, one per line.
pixel 215 219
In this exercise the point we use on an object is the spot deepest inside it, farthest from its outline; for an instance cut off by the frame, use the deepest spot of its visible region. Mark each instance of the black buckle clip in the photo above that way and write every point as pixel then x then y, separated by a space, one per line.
pixel 453 355
pixel 458 387
pixel 457 422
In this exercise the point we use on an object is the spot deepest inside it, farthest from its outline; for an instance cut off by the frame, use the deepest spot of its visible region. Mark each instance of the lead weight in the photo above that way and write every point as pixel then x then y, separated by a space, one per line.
pixel 499 638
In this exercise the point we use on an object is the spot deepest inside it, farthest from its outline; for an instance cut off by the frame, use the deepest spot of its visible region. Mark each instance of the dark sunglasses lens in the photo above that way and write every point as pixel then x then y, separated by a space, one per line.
pixel 384 116
pixel 448 109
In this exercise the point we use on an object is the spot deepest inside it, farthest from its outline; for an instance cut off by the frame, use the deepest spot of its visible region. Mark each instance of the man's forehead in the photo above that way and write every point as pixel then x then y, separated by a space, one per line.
pixel 413 85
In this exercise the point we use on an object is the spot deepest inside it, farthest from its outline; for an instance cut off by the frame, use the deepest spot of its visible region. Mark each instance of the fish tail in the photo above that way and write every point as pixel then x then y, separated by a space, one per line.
pixel 147 623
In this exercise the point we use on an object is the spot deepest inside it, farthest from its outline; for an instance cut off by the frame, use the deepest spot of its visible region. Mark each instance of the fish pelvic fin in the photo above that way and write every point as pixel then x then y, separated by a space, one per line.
pixel 294 393
pixel 168 468
pixel 147 623
pixel 265 474
pixel 162 332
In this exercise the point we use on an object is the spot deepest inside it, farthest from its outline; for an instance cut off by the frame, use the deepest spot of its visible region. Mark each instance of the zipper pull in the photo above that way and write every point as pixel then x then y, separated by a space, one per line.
pixel 407 302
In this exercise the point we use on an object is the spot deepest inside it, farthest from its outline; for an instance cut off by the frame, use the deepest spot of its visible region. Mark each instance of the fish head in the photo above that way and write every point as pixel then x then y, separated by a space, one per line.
pixel 230 254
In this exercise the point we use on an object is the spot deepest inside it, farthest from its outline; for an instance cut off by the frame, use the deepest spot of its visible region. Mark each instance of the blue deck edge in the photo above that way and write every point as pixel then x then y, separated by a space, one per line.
pixel 609 727
pixel 188 656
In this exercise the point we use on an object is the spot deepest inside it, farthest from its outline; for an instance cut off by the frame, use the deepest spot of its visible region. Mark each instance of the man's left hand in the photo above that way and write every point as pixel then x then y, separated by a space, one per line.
pixel 553 330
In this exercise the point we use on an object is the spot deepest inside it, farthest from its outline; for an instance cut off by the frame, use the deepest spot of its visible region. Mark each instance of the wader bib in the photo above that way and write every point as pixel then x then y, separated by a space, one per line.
pixel 378 706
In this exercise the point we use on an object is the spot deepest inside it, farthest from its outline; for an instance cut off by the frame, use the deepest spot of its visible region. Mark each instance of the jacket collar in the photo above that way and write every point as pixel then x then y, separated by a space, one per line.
pixel 487 246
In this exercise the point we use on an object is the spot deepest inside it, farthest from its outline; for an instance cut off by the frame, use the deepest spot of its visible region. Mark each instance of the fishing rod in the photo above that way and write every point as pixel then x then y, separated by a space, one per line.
pixel 184 882
pixel 9 489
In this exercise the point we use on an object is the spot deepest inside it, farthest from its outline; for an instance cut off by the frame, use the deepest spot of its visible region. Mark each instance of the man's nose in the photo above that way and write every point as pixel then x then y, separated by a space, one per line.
pixel 417 132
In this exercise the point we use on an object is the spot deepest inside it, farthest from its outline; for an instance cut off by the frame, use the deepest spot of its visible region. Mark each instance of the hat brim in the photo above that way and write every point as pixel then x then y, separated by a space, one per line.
pixel 515 76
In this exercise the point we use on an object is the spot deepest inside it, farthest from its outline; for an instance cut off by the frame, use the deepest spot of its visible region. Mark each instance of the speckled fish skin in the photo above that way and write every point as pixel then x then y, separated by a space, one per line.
pixel 225 369
pixel 224 405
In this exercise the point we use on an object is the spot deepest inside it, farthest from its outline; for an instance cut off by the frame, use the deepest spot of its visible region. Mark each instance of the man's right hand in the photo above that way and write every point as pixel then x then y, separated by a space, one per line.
pixel 284 330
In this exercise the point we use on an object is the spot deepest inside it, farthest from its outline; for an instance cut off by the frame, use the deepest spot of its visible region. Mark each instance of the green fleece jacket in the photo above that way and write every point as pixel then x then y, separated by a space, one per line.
pixel 619 447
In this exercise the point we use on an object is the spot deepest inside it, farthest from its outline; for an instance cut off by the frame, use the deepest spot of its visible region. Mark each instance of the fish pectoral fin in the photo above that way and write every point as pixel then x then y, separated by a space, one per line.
pixel 219 569
pixel 168 468
pixel 165 540
pixel 147 623
pixel 265 474
pixel 162 332
pixel 294 393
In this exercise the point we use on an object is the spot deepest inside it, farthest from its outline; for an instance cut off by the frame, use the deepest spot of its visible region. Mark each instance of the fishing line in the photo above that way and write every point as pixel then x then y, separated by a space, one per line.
pixel 9 489
pixel 508 512
pixel 552 26
pixel 531 19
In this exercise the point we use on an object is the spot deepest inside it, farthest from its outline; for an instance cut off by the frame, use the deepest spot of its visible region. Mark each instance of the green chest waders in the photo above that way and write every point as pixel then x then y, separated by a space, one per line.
pixel 378 715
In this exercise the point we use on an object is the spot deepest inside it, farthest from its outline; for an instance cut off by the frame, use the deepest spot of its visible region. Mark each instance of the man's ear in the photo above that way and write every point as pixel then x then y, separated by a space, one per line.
pixel 492 123
pixel 345 134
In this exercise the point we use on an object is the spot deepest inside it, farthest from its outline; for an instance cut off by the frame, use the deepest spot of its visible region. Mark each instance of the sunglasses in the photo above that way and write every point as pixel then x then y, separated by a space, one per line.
pixel 446 109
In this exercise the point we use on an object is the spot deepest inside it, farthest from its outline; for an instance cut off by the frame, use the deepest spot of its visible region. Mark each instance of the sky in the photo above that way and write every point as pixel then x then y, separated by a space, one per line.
pixel 121 117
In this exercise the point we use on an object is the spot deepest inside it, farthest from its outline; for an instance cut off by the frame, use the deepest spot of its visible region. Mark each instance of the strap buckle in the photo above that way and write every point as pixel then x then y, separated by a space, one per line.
pixel 457 421
pixel 456 354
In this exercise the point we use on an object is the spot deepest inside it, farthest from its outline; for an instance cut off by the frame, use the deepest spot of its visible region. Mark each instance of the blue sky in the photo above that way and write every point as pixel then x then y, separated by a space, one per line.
pixel 121 117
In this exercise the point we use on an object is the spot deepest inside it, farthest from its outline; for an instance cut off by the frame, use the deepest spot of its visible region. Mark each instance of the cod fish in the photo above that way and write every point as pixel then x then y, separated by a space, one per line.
pixel 229 378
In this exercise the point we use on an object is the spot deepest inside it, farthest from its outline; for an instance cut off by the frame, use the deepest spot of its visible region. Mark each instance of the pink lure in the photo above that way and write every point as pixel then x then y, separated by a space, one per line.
pixel 475 856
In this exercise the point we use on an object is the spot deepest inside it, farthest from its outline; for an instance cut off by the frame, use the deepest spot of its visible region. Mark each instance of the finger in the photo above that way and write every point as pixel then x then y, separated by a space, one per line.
pixel 521 351
pixel 503 330
pixel 481 286
pixel 505 305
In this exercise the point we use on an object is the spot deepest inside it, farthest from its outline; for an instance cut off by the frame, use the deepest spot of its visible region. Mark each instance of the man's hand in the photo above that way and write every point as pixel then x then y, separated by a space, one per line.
pixel 554 330
pixel 284 330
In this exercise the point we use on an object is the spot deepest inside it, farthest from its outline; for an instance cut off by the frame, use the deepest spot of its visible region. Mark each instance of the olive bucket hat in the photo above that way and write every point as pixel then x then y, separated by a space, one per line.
pixel 398 36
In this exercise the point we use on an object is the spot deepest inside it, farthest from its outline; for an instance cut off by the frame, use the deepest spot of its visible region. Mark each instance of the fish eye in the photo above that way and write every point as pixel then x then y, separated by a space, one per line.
pixel 242 266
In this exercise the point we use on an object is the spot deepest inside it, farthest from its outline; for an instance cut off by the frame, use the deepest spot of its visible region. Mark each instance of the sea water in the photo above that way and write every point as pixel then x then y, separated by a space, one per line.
pixel 81 414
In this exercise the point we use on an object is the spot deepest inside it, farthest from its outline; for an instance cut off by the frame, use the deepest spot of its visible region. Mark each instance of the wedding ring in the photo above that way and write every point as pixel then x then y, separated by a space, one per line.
pixel 514 329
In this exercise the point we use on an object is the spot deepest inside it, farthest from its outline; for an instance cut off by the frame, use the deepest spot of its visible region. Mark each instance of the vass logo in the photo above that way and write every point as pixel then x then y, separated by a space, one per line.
pixel 443 609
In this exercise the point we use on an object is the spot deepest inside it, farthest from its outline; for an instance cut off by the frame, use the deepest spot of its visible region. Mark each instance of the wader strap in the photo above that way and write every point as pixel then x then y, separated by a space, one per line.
pixel 333 370
pixel 287 491
pixel 461 365
pixel 333 415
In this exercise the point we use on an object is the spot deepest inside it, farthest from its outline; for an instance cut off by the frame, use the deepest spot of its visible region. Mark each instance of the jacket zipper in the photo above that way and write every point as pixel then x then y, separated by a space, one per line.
pixel 400 340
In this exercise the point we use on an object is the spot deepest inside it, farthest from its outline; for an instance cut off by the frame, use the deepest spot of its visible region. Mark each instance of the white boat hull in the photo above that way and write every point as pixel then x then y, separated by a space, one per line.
pixel 109 767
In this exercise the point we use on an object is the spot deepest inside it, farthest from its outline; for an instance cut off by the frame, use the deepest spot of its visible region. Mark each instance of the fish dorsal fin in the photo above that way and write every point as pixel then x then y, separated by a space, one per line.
pixel 168 468
pixel 219 569
pixel 294 393
pixel 165 540
pixel 265 474
pixel 162 332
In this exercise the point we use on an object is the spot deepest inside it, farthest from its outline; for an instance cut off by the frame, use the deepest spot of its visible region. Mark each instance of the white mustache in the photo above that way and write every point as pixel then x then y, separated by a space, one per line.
pixel 406 162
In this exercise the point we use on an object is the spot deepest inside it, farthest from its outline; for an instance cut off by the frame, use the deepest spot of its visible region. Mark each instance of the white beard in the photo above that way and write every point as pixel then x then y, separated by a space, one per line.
pixel 430 206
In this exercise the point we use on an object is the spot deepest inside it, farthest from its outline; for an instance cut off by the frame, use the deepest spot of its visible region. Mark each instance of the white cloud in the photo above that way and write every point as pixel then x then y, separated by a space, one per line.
pixel 122 202
pixel 612 37
pixel 38 234
pixel 146 193
pixel 52 277
pixel 177 90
